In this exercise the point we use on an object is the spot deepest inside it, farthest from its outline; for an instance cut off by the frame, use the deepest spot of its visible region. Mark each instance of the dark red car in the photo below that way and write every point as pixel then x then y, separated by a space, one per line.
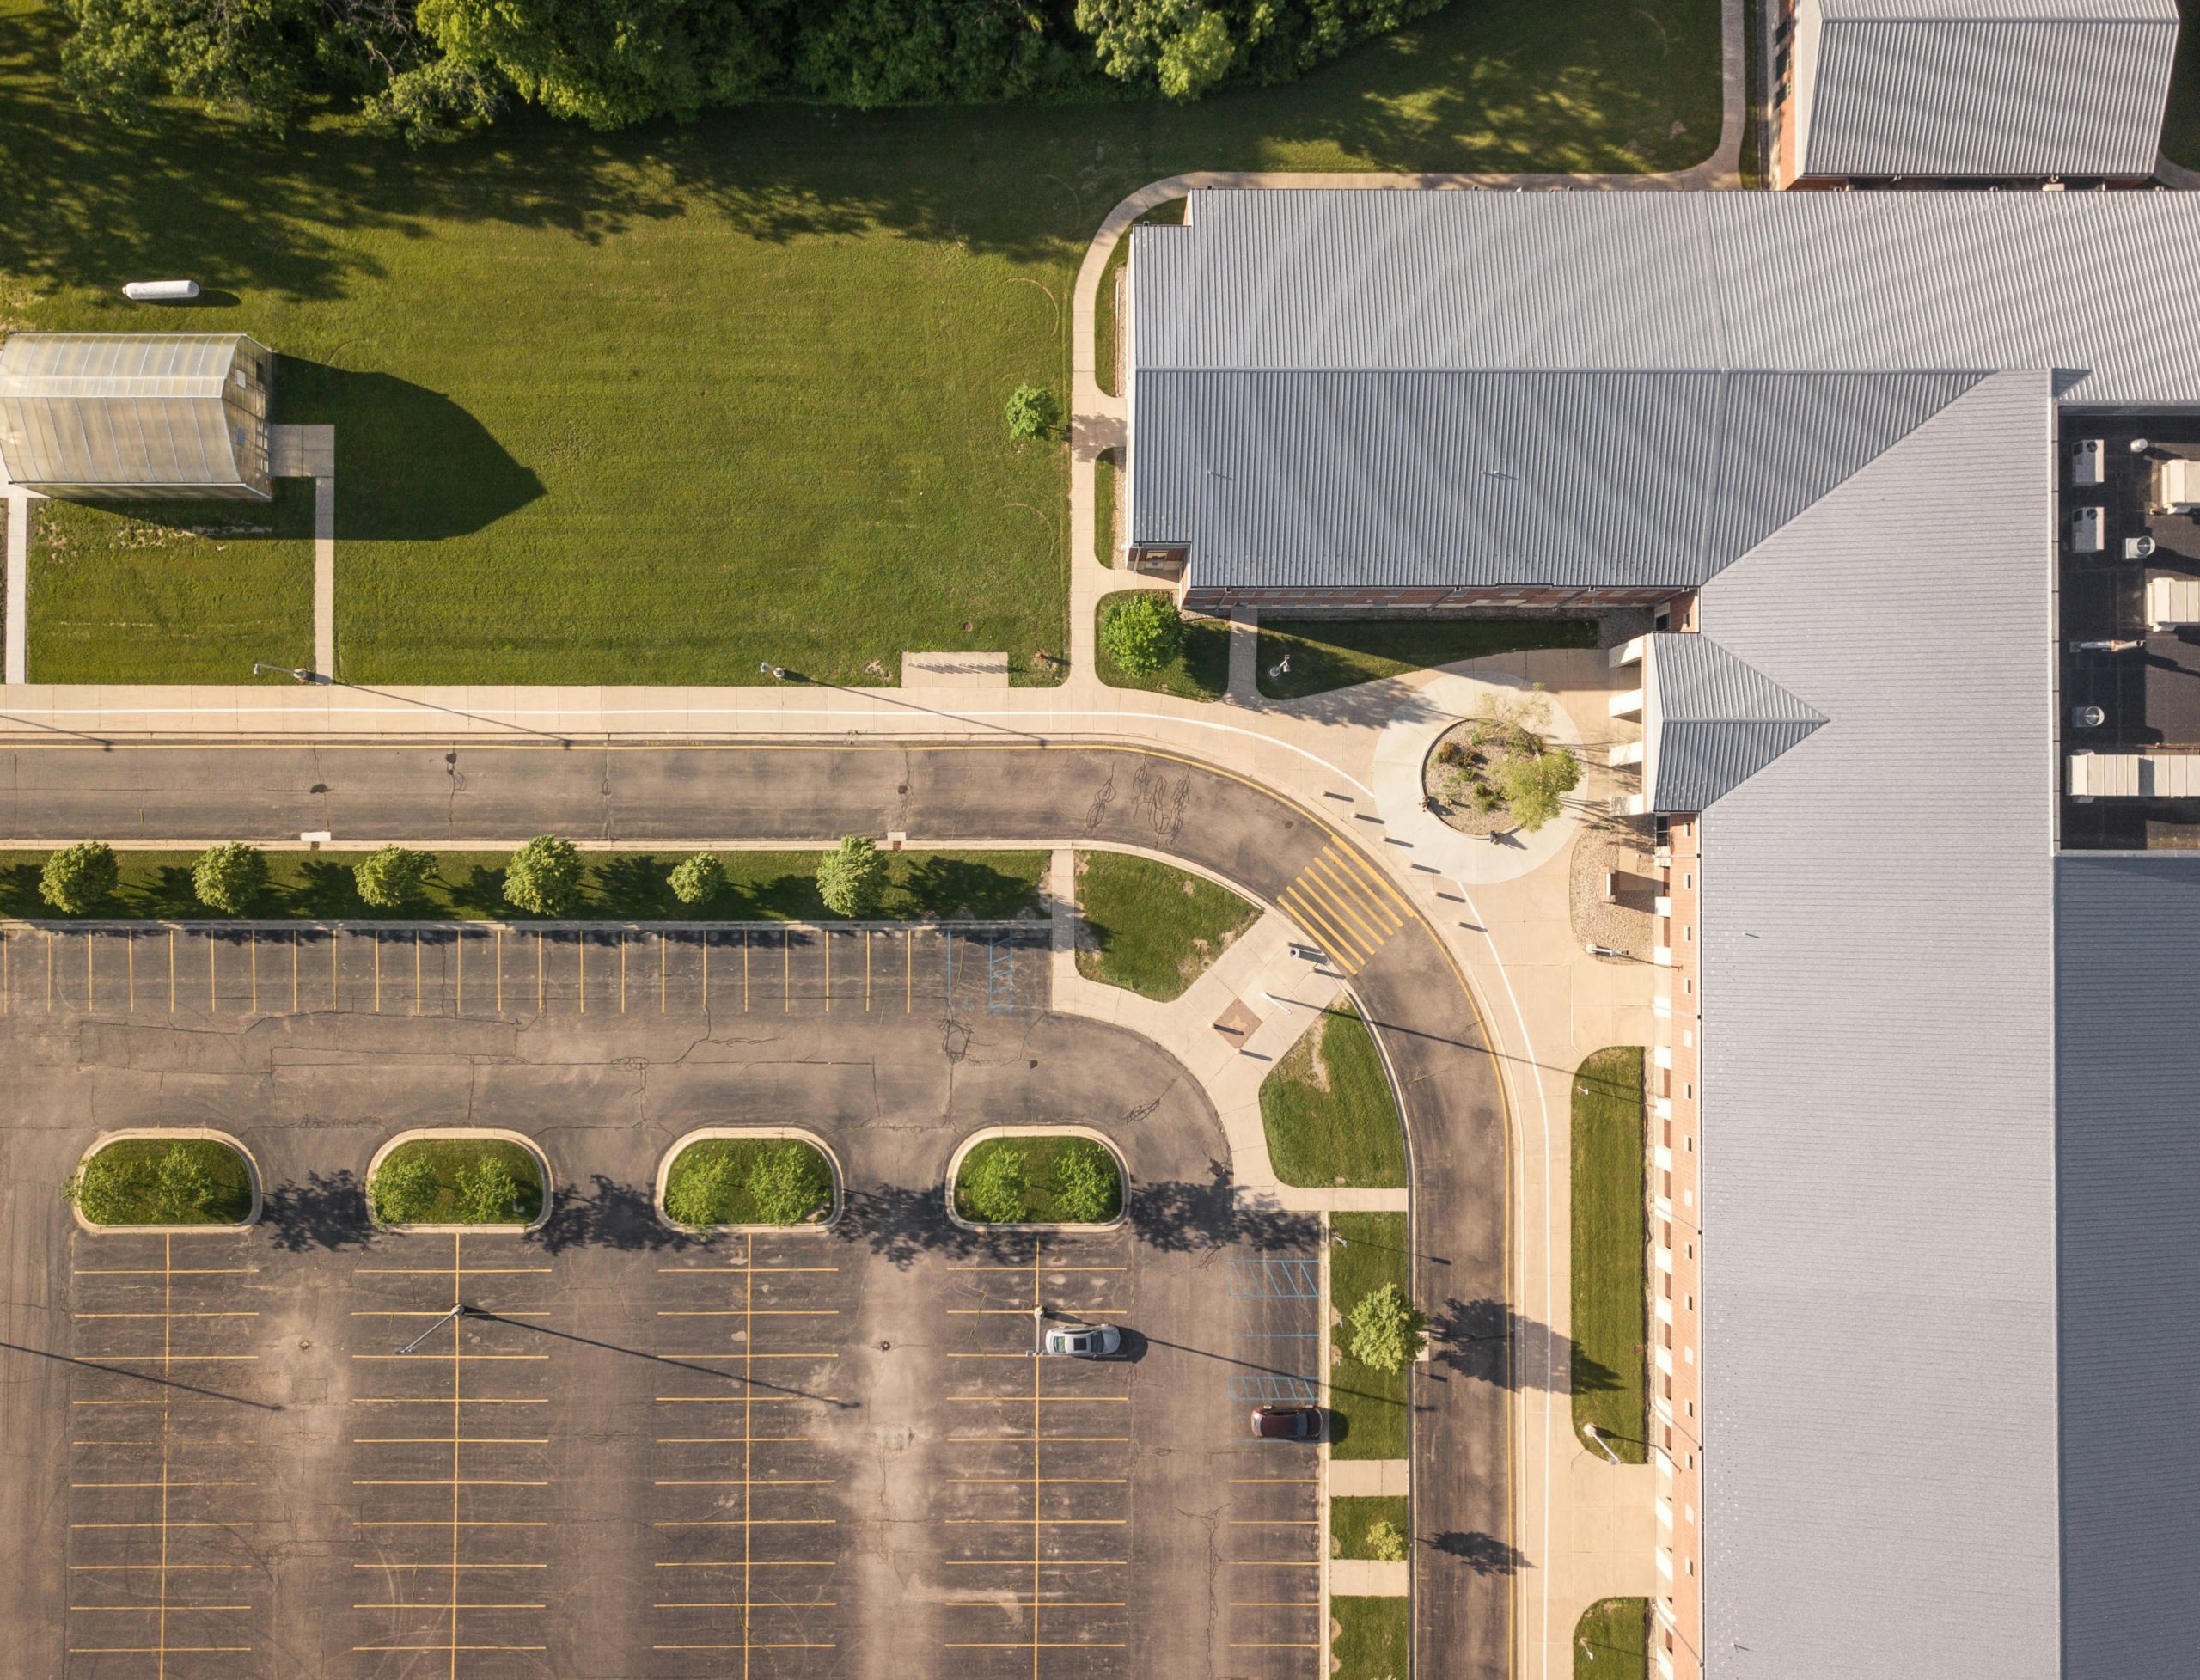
pixel 1287 1423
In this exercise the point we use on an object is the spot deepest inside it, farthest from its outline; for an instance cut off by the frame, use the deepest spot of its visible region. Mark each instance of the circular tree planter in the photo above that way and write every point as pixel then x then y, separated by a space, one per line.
pixel 1038 1173
pixel 459 1135
pixel 147 1144
pixel 743 1144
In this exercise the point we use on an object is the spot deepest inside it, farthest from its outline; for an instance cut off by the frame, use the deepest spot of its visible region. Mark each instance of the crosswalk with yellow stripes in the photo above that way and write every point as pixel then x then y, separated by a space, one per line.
pixel 1345 905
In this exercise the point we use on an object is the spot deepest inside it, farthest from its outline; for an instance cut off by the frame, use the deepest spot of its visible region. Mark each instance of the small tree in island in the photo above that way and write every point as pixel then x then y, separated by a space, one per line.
pixel 79 877
pixel 851 878
pixel 228 878
pixel 699 879
pixel 1142 632
pixel 392 877
pixel 544 877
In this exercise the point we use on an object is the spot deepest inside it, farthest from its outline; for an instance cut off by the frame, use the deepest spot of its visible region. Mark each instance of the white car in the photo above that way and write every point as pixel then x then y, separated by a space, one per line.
pixel 1085 1342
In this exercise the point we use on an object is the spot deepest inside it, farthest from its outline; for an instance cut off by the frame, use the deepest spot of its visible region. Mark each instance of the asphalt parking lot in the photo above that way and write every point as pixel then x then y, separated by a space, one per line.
pixel 637 1453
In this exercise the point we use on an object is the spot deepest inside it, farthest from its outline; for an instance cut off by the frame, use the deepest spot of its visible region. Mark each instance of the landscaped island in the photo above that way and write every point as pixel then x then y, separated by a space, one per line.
pixel 747 1180
pixel 457 1180
pixel 1151 928
pixel 162 1181
pixel 1059 1178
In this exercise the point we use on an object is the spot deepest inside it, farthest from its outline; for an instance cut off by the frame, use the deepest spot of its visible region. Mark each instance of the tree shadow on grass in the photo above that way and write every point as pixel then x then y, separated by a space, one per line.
pixel 633 885
pixel 480 890
pixel 963 887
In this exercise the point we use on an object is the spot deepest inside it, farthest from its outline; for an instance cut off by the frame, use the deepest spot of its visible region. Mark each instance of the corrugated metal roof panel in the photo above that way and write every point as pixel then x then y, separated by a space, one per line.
pixel 1709 722
pixel 1998 96
pixel 1878 1112
pixel 1332 478
pixel 2127 1070
pixel 82 410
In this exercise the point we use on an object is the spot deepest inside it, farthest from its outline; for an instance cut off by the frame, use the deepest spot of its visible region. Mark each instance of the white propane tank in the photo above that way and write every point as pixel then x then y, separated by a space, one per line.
pixel 160 291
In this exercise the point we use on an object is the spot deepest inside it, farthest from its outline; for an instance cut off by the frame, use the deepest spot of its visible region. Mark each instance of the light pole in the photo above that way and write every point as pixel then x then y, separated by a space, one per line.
pixel 457 1312
pixel 1281 666
pixel 295 673
pixel 777 673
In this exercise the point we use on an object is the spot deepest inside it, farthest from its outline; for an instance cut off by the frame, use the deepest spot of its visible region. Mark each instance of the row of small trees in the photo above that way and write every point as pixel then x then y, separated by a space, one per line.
pixel 544 877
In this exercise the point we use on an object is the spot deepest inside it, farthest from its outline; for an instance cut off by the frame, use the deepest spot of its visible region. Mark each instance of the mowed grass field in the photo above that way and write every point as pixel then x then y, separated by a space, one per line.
pixel 658 406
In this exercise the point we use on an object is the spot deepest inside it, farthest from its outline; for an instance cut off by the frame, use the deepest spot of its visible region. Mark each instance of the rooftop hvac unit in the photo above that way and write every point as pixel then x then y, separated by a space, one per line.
pixel 2177 485
pixel 160 291
pixel 2084 462
pixel 2087 529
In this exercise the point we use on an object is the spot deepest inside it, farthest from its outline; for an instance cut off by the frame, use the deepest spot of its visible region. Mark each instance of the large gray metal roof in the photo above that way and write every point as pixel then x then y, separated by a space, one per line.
pixel 1989 88
pixel 2128 1082
pixel 122 409
pixel 1709 722
pixel 1876 935
pixel 1322 289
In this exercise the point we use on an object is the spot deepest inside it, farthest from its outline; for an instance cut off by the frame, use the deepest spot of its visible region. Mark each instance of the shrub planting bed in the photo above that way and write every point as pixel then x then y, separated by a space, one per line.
pixel 457 1180
pixel 1057 1179
pixel 753 1181
pixel 163 1182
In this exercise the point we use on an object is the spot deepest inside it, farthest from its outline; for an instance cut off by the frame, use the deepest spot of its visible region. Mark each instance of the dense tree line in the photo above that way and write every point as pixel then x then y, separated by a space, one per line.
pixel 425 68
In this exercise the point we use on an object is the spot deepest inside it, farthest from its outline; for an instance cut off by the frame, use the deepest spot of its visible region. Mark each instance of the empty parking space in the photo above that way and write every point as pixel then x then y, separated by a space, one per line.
pixel 202 972
pixel 166 1475
pixel 1036 1514
pixel 747 1472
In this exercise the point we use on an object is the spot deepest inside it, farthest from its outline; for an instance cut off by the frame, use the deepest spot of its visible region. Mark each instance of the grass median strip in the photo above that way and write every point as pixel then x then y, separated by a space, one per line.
pixel 1328 1110
pixel 1610 1236
pixel 748 1182
pixel 457 1180
pixel 1371 1406
pixel 163 1182
pixel 1149 928
pixel 621 886
pixel 1357 1526
pixel 1336 653
pixel 1374 1639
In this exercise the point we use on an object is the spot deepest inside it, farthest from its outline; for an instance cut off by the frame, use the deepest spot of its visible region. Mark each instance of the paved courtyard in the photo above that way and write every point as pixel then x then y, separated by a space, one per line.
pixel 639 1453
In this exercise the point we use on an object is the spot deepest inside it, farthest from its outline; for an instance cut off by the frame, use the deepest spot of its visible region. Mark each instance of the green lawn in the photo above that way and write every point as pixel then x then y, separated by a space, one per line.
pixel 1104 508
pixel 135 1188
pixel 1041 1157
pixel 730 1201
pixel 1612 1641
pixel 1200 670
pixel 175 592
pixel 1152 929
pixel 447 1157
pixel 1610 1232
pixel 1333 1122
pixel 1372 1406
pixel 1374 1639
pixel 1336 653
pixel 1351 1518
pixel 656 406
pixel 620 886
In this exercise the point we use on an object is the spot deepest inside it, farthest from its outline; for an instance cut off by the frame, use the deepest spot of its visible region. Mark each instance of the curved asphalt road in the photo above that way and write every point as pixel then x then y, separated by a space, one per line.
pixel 1408 989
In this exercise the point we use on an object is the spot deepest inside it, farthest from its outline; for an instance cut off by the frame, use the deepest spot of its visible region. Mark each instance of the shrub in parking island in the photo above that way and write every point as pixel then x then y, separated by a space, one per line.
pixel 488 1192
pixel 1387 1332
pixel 1386 1542
pixel 991 1186
pixel 457 1180
pixel 544 877
pixel 851 878
pixel 392 877
pixel 228 878
pixel 403 1190
pixel 1142 632
pixel 1534 788
pixel 152 1181
pixel 747 1180
pixel 699 879
pixel 1087 1187
pixel 79 877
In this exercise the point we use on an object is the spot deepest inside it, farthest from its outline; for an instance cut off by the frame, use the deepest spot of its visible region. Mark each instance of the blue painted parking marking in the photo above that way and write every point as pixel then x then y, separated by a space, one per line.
pixel 1275 1330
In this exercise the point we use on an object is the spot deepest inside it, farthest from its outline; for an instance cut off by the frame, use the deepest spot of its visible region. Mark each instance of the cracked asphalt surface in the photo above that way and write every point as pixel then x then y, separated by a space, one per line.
pixel 1015 791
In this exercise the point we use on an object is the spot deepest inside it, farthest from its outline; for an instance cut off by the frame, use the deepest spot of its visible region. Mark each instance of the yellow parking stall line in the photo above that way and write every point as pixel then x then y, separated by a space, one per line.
pixel 752 1482
pixel 164 1314
pixel 1044 1563
pixel 736 1604
pixel 444 1481
pixel 162 1484
pixel 786 972
pixel 744 971
pixel 375 937
pixel 1026 1522
pixel 908 970
pixel 580 957
pixel 761 1312
pixel 751 1645
pixel 445 1358
pixel 1273 1604
pixel 1035 1604
pixel 416 971
pixel 156 1650
pixel 1345 951
pixel 1285 1481
pixel 171 971
pixel 622 971
pixel 445 1271
pixel 440 1568
pixel 825 940
pixel 294 975
pixel 1274 1644
pixel 662 993
pixel 1049 1399
pixel 1274 1521
pixel 444 1522
pixel 179 1359
pixel 394 1604
pixel 164 1523
pixel 163 1271
pixel 428 1312
pixel 753 1522
pixel 172 1568
pixel 447 1647
pixel 707 971
pixel 708 1271
pixel 727 1399
pixel 757 1563
pixel 867 970
pixel 539 937
pixel 1050 1440
pixel 91 998
pixel 1274 1563
pixel 172 1608
pixel 458 964
pixel 1025 1271
pixel 1034 1644
pixel 449 1440
pixel 437 1400
pixel 1033 1481
pixel 744 1354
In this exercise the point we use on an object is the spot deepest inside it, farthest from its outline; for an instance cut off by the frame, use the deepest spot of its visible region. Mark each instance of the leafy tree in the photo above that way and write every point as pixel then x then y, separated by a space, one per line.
pixel 245 59
pixel 1087 1187
pixel 488 1192
pixel 80 877
pixel 1535 787
pixel 991 1184
pixel 788 1183
pixel 403 1189
pixel 105 1189
pixel 393 876
pixel 544 877
pixel 1142 631
pixel 698 1190
pixel 183 1190
pixel 1386 1541
pixel 852 879
pixel 1032 412
pixel 699 879
pixel 228 878
pixel 1386 1331
pixel 1197 58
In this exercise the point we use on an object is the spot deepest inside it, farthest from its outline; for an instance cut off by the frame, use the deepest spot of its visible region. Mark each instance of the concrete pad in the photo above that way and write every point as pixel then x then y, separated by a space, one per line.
pixel 1365 1478
pixel 1363 1578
